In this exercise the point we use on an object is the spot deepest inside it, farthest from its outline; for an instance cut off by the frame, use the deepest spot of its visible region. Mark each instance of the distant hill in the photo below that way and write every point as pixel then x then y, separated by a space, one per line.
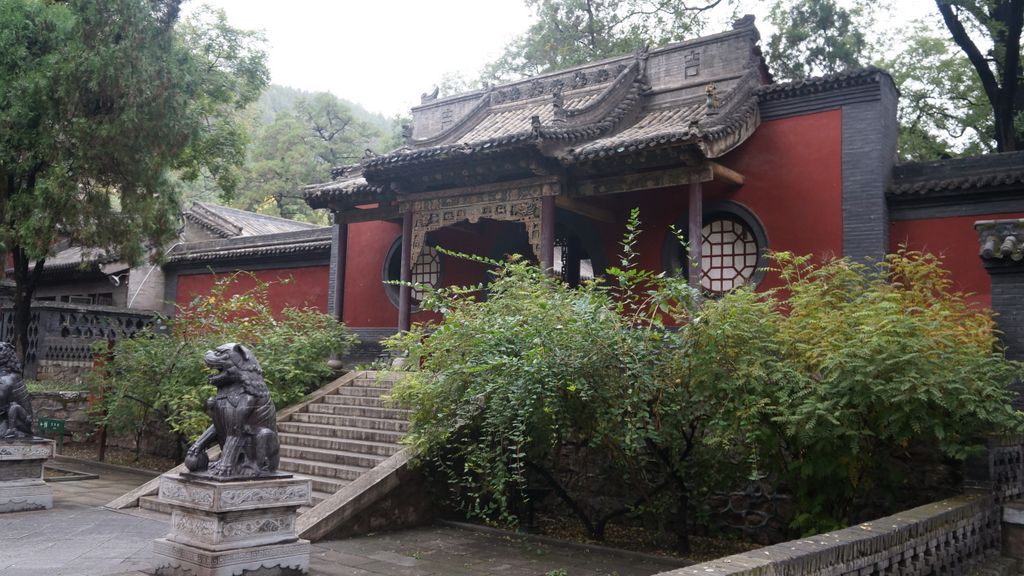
pixel 277 98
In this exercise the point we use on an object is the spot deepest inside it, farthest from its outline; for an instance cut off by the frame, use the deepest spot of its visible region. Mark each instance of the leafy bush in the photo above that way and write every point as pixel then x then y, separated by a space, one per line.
pixel 820 383
pixel 834 375
pixel 161 372
pixel 504 383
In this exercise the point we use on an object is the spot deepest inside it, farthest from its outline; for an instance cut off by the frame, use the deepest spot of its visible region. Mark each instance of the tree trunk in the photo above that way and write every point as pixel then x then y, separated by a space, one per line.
pixel 25 282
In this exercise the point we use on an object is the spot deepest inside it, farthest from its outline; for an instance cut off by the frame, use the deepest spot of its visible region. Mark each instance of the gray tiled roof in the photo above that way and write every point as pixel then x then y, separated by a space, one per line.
pixel 231 222
pixel 601 109
pixel 295 242
pixel 958 174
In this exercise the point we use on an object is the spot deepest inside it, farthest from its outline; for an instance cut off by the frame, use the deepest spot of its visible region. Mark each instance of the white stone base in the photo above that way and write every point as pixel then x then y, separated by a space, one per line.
pixel 21 496
pixel 232 528
pixel 176 559
pixel 21 475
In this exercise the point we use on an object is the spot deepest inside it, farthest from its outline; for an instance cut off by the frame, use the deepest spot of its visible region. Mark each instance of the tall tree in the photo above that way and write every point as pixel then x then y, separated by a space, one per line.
pixel 572 32
pixel 99 101
pixel 816 37
pixel 300 146
pixel 943 109
pixel 998 22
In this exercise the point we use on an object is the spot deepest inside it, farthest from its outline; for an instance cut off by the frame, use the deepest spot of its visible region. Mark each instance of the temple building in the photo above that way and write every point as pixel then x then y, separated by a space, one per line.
pixel 694 134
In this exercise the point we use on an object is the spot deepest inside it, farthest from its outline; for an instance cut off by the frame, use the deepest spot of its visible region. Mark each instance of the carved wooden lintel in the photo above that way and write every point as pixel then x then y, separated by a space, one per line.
pixel 518 201
pixel 644 181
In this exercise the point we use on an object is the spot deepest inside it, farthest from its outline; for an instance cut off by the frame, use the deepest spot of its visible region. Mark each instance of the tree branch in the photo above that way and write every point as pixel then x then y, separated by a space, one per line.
pixel 963 40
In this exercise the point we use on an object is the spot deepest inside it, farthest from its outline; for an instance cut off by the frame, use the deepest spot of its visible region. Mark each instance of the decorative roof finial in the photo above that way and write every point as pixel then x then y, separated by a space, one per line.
pixel 712 99
pixel 557 106
pixel 744 21
pixel 406 133
pixel 425 97
pixel 367 154
pixel 641 60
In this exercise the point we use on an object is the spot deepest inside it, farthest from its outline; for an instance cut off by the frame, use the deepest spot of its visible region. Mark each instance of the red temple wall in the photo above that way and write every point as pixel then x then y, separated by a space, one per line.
pixel 956 241
pixel 793 184
pixel 366 303
pixel 306 286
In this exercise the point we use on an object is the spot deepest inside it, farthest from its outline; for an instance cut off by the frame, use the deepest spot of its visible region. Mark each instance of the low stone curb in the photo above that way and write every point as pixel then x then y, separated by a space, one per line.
pixel 113 467
pixel 626 554
pixel 77 475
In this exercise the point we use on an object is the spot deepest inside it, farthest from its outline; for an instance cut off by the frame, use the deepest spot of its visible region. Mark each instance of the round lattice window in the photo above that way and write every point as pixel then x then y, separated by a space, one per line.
pixel 728 255
pixel 426 270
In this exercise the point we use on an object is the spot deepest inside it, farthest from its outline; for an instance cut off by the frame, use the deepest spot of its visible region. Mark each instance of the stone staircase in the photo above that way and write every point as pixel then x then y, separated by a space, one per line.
pixel 341 432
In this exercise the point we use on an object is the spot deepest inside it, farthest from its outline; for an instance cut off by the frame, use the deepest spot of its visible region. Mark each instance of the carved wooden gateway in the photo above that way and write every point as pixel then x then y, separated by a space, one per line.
pixel 519 202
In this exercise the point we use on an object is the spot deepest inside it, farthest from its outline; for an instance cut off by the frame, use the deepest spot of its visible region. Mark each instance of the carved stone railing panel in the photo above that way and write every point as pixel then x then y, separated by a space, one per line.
pixel 66 333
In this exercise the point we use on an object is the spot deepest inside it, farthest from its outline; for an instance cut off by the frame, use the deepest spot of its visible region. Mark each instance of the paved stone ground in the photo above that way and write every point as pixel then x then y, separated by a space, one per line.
pixel 80 538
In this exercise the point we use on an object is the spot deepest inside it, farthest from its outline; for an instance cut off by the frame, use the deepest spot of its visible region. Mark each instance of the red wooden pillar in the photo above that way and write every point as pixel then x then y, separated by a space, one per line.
pixel 696 215
pixel 341 245
pixel 405 292
pixel 547 234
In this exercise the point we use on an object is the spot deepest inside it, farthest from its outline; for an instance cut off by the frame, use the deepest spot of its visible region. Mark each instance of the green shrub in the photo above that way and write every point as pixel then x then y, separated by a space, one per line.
pixel 505 382
pixel 833 375
pixel 821 384
pixel 161 372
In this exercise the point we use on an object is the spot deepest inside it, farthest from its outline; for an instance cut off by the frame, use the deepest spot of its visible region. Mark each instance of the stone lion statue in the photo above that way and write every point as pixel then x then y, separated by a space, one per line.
pixel 244 419
pixel 15 405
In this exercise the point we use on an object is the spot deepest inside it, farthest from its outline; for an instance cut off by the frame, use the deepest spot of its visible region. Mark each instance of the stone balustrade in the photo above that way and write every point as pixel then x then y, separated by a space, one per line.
pixel 61 336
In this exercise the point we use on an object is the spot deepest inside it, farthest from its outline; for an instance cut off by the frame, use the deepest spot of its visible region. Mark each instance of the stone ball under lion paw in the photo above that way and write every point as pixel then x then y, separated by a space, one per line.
pixel 197 461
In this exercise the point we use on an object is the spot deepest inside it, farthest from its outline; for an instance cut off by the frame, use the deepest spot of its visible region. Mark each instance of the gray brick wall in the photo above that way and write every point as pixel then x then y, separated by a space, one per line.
pixel 869 153
pixel 1008 303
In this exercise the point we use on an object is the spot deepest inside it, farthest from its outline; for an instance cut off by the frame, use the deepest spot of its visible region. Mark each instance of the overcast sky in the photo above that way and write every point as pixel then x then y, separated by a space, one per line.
pixel 384 53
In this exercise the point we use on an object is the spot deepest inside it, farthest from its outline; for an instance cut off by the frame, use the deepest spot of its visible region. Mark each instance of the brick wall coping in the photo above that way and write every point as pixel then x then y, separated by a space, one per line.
pixel 947 536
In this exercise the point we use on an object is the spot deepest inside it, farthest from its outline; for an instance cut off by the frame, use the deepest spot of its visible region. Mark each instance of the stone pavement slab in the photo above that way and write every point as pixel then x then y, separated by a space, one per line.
pixel 80 538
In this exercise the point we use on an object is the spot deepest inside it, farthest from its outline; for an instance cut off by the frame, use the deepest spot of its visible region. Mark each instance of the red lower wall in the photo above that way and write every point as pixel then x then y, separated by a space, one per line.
pixel 956 241
pixel 290 287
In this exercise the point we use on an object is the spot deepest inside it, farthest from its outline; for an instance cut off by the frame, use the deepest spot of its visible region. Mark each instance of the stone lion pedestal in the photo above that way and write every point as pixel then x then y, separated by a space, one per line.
pixel 21 474
pixel 232 528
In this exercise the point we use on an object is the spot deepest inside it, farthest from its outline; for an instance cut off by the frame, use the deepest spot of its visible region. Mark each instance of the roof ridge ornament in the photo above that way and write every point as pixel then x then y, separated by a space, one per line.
pixel 711 103
pixel 557 106
pixel 430 97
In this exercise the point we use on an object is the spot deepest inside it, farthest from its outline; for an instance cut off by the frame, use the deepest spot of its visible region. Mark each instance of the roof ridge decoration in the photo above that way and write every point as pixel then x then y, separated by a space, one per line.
pixel 727 121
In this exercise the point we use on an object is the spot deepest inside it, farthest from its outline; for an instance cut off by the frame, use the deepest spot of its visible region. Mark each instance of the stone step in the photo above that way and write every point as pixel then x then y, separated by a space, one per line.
pixel 374 382
pixel 331 457
pixel 352 421
pixel 322 485
pixel 322 469
pixel 374 401
pixel 360 411
pixel 375 391
pixel 342 432
pixel 339 444
pixel 153 503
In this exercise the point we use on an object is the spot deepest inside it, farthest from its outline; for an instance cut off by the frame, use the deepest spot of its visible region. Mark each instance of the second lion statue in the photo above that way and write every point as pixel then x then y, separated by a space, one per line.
pixel 244 420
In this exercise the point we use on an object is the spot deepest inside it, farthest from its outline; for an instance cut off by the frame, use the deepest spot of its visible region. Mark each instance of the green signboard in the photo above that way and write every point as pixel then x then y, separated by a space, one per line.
pixel 54 426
